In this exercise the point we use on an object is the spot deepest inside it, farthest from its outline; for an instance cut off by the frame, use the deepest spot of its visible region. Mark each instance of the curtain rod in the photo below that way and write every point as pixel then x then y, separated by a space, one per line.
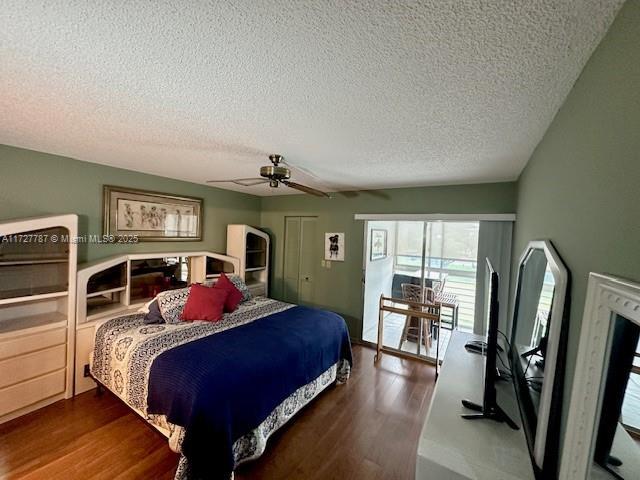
pixel 495 217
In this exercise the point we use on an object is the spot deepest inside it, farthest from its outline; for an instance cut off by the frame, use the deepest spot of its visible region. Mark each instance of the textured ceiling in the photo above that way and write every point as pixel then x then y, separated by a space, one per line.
pixel 361 94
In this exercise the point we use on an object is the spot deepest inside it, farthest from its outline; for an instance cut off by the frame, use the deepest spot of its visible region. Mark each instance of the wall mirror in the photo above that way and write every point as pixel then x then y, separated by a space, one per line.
pixel 538 345
pixel 602 441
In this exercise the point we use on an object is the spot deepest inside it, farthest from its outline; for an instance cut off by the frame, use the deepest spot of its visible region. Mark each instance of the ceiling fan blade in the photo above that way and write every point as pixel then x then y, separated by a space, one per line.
pixel 305 189
pixel 243 182
pixel 305 171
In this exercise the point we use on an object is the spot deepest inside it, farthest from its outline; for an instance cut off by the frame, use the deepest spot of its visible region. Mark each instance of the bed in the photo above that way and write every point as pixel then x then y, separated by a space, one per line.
pixel 218 390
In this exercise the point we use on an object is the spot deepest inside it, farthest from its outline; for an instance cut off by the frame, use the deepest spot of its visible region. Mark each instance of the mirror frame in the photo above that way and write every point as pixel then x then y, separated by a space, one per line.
pixel 606 295
pixel 547 437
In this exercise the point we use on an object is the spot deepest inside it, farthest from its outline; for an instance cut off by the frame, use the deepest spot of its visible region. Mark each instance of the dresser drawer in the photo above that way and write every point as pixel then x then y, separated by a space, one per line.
pixel 29 343
pixel 32 391
pixel 31 365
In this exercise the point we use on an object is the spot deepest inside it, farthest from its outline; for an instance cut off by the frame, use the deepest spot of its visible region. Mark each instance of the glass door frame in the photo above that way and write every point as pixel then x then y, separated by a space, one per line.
pixel 423 273
pixel 498 217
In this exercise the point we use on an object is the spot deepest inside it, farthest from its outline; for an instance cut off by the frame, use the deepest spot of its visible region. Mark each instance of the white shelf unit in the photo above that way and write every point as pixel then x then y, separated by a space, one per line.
pixel 251 246
pixel 121 284
pixel 255 269
pixel 38 258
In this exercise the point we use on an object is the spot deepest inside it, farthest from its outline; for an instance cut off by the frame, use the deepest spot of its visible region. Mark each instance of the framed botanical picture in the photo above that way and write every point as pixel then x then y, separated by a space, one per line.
pixel 334 246
pixel 151 216
pixel 378 247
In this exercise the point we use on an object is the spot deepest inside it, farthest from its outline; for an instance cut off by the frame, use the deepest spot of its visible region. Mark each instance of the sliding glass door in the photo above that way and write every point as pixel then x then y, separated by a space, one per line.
pixel 435 260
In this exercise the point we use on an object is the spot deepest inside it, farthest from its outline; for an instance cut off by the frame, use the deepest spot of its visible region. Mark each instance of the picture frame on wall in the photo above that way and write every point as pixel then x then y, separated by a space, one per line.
pixel 334 246
pixel 378 244
pixel 151 216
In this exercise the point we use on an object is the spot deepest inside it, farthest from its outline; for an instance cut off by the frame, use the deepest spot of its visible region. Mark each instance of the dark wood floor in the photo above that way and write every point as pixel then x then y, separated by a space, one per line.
pixel 367 429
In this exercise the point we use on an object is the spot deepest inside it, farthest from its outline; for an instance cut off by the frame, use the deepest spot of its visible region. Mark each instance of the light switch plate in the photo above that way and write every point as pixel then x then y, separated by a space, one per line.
pixel 328 263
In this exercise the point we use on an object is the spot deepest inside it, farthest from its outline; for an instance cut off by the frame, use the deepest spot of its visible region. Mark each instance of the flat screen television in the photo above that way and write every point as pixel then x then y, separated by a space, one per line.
pixel 490 408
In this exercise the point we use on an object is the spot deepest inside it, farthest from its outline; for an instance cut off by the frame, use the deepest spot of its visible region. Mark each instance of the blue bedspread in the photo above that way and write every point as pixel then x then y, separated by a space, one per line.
pixel 224 385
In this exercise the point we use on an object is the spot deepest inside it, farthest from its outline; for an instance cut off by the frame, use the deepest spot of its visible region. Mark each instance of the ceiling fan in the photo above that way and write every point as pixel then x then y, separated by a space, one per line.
pixel 274 175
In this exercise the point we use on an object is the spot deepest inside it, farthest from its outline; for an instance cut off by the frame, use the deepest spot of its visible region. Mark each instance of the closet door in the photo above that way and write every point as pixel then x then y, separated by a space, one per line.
pixel 291 259
pixel 309 251
pixel 302 253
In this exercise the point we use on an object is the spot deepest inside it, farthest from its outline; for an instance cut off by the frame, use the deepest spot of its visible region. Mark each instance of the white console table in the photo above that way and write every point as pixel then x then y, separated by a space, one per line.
pixel 452 448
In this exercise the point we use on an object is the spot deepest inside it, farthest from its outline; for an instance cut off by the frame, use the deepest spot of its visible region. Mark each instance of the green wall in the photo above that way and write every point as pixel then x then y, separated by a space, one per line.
pixel 581 187
pixel 340 287
pixel 34 183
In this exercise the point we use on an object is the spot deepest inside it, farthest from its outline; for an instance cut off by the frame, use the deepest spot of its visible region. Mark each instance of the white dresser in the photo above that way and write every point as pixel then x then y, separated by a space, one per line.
pixel 37 312
pixel 452 448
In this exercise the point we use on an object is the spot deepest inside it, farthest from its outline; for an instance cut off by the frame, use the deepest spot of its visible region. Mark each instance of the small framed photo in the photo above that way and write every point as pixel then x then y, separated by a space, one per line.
pixel 378 244
pixel 151 216
pixel 334 246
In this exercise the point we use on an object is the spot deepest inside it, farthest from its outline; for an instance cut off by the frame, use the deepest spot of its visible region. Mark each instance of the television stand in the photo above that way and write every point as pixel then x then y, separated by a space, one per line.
pixel 452 448
pixel 495 413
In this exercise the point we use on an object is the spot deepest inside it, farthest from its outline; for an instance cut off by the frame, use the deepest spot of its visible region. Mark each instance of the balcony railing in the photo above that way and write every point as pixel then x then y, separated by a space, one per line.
pixel 461 280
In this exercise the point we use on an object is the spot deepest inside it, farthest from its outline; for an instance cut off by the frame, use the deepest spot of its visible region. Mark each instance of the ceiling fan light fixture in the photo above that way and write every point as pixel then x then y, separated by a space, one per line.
pixel 274 175
pixel 274 171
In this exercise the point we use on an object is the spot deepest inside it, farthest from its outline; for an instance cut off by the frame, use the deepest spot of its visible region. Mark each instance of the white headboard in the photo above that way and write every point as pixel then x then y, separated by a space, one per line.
pixel 200 264
pixel 111 295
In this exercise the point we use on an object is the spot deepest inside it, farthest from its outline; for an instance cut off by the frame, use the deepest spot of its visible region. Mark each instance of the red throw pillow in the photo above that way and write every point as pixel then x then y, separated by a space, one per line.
pixel 235 296
pixel 204 303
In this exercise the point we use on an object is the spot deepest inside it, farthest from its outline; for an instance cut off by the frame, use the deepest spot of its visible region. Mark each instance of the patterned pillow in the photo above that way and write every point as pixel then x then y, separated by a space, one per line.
pixel 240 285
pixel 171 304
